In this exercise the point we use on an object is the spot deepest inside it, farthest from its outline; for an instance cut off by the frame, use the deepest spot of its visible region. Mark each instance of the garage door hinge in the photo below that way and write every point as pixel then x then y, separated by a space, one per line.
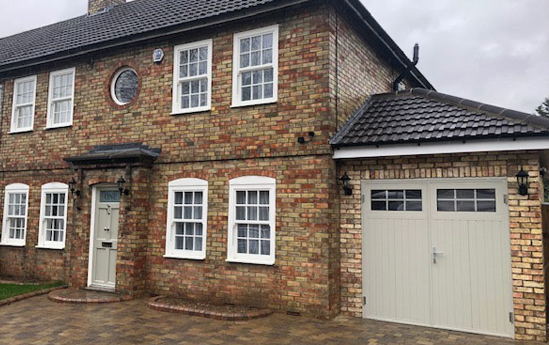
pixel 364 300
pixel 511 318
pixel 505 199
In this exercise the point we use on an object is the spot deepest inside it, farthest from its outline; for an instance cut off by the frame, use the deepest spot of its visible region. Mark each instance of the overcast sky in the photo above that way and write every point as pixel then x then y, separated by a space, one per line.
pixel 493 51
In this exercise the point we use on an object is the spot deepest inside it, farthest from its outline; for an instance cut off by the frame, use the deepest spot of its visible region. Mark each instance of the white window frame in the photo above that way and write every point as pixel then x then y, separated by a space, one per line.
pixel 49 123
pixel 16 83
pixel 59 188
pixel 237 71
pixel 176 91
pixel 251 183
pixel 186 185
pixel 14 188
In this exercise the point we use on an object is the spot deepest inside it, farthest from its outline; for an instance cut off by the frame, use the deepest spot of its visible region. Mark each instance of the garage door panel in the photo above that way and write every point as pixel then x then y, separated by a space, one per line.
pixel 401 290
pixel 469 287
pixel 451 280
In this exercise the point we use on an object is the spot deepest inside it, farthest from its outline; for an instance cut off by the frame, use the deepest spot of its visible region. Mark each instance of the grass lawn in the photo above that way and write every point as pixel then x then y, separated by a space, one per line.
pixel 10 290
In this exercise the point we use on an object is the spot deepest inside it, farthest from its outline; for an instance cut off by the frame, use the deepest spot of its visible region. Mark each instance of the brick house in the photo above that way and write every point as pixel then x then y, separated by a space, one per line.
pixel 196 149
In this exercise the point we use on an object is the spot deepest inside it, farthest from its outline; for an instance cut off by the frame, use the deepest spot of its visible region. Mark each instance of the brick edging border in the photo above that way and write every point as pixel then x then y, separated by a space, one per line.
pixel 61 299
pixel 154 303
pixel 30 295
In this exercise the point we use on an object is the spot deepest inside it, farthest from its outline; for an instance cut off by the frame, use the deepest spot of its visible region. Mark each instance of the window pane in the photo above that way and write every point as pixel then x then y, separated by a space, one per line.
pixel 242 230
pixel 256 58
pixel 465 194
pixel 254 231
pixel 379 194
pixel 178 198
pixel 198 231
pixel 413 206
pixel 395 194
pixel 396 205
pixel 198 212
pixel 193 55
pixel 465 206
pixel 198 196
pixel 244 60
pixel 189 229
pixel 245 45
pixel 242 246
pixel 241 198
pixel 257 92
pixel 379 205
pixel 265 247
pixel 126 86
pixel 486 206
pixel 179 228
pixel 246 93
pixel 184 57
pixel 254 246
pixel 188 198
pixel 264 198
pixel 252 213
pixel 241 213
pixel 257 77
pixel 446 206
pixel 188 212
pixel 267 56
pixel 203 68
pixel 263 213
pixel 252 198
pixel 179 243
pixel 486 193
pixel 269 92
pixel 413 194
pixel 267 41
pixel 265 231
pixel 203 55
pixel 198 243
pixel 189 243
pixel 445 193
pixel 268 75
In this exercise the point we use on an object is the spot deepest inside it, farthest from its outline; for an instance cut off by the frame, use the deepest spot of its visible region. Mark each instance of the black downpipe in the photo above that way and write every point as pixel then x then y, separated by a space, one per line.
pixel 408 69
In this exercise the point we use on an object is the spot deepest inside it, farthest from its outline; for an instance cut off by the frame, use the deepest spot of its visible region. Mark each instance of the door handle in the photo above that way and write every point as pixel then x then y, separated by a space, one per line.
pixel 435 254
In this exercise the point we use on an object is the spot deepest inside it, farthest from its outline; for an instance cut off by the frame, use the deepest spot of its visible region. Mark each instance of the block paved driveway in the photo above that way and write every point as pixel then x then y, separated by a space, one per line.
pixel 39 321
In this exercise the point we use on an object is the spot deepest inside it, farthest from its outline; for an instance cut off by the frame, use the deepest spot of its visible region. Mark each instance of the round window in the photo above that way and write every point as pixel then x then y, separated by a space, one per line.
pixel 124 86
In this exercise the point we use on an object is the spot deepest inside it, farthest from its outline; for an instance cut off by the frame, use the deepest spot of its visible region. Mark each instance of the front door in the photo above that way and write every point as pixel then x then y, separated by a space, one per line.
pixel 105 238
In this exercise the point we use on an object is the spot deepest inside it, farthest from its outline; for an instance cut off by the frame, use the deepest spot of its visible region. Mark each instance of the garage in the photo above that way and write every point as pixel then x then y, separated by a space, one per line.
pixel 437 253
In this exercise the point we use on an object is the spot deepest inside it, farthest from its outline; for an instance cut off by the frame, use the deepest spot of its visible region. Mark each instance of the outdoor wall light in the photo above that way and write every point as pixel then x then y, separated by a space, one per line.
pixel 72 187
pixel 522 180
pixel 346 182
pixel 121 186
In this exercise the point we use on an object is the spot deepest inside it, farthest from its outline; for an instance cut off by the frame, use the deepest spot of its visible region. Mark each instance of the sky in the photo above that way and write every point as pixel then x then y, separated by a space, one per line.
pixel 492 51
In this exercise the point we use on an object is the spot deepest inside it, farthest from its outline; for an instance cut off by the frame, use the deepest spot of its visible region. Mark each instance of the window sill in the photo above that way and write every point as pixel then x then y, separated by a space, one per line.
pixel 252 262
pixel 58 126
pixel 12 245
pixel 21 131
pixel 198 258
pixel 51 248
pixel 194 111
pixel 252 104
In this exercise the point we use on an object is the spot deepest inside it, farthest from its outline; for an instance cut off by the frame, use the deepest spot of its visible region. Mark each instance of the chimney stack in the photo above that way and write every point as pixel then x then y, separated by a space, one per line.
pixel 96 6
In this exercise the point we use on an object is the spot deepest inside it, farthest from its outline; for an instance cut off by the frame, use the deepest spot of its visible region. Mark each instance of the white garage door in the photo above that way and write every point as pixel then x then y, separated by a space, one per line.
pixel 437 253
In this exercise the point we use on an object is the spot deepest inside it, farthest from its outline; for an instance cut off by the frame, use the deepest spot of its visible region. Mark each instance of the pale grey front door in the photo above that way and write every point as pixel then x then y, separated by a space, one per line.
pixel 105 242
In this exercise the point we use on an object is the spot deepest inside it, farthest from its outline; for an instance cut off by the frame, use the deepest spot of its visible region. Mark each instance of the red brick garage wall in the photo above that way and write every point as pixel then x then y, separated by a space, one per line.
pixel 525 222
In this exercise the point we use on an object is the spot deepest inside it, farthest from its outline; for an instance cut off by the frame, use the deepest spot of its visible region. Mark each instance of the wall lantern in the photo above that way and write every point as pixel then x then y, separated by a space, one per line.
pixel 522 180
pixel 72 187
pixel 346 182
pixel 121 186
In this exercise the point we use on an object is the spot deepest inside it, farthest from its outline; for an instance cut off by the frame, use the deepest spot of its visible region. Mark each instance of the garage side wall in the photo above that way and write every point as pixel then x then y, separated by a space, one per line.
pixel 524 218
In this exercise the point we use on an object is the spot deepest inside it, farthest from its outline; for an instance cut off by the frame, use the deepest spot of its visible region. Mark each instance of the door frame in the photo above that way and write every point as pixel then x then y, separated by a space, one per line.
pixel 94 201
pixel 428 201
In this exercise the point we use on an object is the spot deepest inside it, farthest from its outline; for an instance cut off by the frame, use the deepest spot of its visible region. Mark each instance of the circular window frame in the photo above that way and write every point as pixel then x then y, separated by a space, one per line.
pixel 114 79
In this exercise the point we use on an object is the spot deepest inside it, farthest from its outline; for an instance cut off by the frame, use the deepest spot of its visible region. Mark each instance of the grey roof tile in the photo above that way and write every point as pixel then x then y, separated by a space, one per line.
pixel 421 115
pixel 122 21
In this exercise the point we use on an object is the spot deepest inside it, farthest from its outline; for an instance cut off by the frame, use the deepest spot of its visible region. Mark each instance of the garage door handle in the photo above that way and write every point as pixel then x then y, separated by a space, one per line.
pixel 435 254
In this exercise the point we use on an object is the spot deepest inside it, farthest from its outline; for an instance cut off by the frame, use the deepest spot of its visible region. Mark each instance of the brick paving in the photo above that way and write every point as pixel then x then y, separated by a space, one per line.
pixel 40 321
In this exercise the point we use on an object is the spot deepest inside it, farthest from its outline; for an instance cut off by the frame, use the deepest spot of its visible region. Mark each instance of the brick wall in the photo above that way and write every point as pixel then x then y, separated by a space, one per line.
pixel 524 217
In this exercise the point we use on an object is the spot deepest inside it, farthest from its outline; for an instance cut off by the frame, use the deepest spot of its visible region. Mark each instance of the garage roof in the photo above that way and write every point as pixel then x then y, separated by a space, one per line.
pixel 420 115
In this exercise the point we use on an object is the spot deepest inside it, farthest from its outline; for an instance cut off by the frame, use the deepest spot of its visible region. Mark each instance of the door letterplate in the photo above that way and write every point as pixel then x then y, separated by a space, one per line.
pixel 106 244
